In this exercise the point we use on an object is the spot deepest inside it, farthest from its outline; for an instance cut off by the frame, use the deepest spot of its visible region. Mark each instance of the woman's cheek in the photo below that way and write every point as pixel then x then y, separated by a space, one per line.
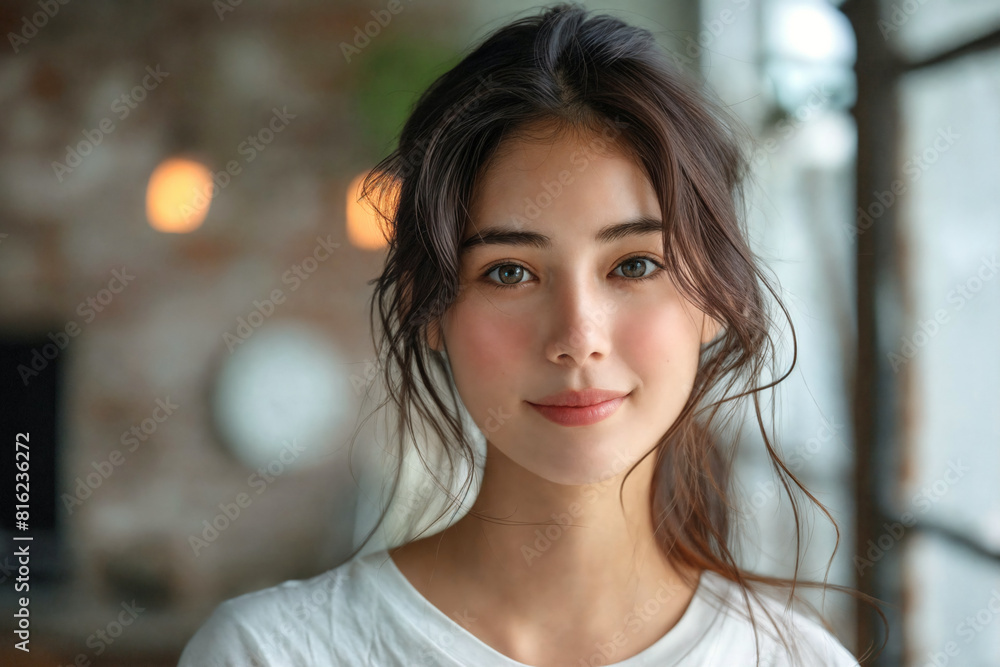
pixel 663 333
pixel 488 347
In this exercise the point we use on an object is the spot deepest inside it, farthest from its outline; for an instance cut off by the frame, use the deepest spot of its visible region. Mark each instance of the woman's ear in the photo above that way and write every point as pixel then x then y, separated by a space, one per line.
pixel 710 328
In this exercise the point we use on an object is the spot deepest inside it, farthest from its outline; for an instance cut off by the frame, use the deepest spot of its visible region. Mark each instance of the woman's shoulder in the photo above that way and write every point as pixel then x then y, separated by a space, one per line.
pixel 271 625
pixel 811 643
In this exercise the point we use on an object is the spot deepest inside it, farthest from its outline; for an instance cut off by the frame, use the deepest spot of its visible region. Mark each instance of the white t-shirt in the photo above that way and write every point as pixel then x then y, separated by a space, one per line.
pixel 365 612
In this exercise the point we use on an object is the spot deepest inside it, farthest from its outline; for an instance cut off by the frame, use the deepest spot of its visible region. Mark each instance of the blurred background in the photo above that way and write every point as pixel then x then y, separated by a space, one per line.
pixel 183 299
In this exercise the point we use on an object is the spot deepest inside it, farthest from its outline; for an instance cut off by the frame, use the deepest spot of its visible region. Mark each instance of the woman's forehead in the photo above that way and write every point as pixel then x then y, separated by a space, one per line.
pixel 566 180
pixel 596 137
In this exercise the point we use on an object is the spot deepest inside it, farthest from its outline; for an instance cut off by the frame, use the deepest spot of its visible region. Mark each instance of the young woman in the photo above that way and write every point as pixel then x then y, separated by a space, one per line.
pixel 566 249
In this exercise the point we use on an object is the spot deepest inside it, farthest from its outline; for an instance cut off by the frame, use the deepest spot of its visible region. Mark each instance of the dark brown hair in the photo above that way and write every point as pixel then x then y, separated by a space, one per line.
pixel 573 71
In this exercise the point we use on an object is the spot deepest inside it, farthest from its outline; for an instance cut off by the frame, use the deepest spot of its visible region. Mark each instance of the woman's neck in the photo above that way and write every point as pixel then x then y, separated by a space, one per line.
pixel 582 573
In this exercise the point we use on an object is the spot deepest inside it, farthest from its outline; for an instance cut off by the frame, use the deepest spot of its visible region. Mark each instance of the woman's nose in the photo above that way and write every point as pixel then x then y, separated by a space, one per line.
pixel 578 320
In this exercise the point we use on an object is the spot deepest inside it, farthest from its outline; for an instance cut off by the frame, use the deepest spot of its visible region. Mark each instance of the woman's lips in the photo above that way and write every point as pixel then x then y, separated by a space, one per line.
pixel 585 416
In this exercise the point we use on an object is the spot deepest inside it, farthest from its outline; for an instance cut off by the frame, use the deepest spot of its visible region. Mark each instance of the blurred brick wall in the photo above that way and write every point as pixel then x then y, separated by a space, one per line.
pixel 204 77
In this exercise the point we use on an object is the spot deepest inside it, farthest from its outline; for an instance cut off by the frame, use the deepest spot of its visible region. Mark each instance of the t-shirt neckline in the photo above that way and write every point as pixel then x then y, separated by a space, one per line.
pixel 463 646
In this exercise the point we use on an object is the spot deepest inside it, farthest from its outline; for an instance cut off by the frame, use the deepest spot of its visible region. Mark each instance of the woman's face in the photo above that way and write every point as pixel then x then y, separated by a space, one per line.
pixel 571 300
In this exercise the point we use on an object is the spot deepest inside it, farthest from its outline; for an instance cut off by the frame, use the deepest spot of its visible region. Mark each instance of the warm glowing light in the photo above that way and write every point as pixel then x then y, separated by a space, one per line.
pixel 178 196
pixel 364 227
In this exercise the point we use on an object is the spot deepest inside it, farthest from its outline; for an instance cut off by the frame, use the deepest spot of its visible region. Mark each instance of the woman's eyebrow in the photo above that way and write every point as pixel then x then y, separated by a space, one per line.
pixel 510 236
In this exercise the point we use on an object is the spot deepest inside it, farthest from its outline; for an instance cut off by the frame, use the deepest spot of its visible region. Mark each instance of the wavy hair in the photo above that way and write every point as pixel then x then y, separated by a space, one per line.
pixel 573 71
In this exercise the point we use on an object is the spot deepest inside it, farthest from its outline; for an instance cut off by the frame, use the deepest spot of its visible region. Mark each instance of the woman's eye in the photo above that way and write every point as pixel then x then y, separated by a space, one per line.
pixel 508 274
pixel 636 267
pixel 633 269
